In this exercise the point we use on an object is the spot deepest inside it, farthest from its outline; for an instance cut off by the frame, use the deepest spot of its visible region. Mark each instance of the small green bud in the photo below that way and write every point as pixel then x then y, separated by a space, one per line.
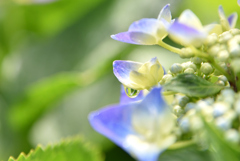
pixel 221 83
pixel 213 51
pixel 235 65
pixel 223 55
pixel 189 64
pixel 196 60
pixel 166 78
pixel 177 110
pixel 189 71
pixel 235 31
pixel 211 39
pixel 224 37
pixel 222 78
pixel 234 50
pixel 206 68
pixel 176 68
pixel 186 53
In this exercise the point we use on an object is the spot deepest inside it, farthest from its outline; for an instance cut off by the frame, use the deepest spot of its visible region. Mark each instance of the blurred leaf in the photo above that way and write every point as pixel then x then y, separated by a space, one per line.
pixel 68 150
pixel 53 17
pixel 192 86
pixel 184 151
pixel 221 150
pixel 43 94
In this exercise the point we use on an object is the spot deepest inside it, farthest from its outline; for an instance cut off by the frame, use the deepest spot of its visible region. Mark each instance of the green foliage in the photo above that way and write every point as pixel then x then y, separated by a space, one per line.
pixel 192 86
pixel 184 151
pixel 70 149
pixel 221 150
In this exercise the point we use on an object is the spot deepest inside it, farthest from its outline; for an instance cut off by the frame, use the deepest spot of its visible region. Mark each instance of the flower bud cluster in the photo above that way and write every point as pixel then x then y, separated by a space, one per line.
pixel 198 67
pixel 223 111
pixel 224 46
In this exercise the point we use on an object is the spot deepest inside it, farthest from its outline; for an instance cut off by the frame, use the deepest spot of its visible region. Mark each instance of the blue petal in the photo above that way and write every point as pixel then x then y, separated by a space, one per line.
pixel 122 69
pixel 232 19
pixel 115 123
pixel 124 99
pixel 165 13
pixel 145 25
pixel 124 37
pixel 186 35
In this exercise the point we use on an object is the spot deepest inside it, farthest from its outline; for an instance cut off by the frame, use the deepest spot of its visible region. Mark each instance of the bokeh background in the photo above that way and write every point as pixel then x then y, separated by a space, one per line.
pixel 56 64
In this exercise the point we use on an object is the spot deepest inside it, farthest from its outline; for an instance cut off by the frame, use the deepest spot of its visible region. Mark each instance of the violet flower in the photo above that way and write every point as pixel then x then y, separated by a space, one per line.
pixel 227 22
pixel 147 31
pixel 144 129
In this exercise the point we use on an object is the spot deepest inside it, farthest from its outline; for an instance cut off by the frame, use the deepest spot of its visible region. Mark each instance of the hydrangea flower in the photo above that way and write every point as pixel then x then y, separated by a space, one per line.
pixel 138 76
pixel 227 22
pixel 188 30
pixel 143 129
pixel 147 31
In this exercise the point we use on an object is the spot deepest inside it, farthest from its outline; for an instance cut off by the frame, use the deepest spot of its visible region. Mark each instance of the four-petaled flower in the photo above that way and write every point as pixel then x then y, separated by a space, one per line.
pixel 144 128
pixel 138 76
pixel 147 31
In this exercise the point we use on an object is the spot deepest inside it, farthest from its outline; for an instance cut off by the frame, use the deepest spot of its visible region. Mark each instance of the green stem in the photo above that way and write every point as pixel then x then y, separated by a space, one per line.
pixel 169 47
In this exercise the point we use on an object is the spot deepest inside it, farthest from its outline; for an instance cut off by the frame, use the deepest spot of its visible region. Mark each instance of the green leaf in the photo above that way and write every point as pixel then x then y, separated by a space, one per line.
pixel 40 96
pixel 74 149
pixel 184 151
pixel 192 86
pixel 221 150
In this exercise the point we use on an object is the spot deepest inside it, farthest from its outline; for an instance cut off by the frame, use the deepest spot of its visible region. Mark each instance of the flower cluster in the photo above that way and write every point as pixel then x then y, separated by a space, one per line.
pixel 159 108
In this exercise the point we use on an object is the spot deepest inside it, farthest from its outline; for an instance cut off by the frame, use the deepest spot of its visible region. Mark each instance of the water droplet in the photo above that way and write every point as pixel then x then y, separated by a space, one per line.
pixel 132 93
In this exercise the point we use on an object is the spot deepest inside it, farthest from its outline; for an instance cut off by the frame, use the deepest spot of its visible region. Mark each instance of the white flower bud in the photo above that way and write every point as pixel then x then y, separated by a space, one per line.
pixel 186 53
pixel 222 78
pixel 221 83
pixel 196 123
pixel 166 78
pixel 235 65
pixel 211 39
pixel 196 60
pixel 235 31
pixel 189 71
pixel 232 136
pixel 213 51
pixel 234 50
pixel 224 37
pixel 190 106
pixel 177 110
pixel 219 108
pixel 176 68
pixel 189 64
pixel 206 68
pixel 183 101
pixel 223 123
pixel 223 55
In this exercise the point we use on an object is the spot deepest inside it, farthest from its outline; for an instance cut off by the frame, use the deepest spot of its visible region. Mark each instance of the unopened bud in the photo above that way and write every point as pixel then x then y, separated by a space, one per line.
pixel 232 136
pixel 211 39
pixel 206 68
pixel 196 60
pixel 176 68
pixel 186 53
pixel 189 71
pixel 177 110
pixel 235 31
pixel 224 37
pixel 223 55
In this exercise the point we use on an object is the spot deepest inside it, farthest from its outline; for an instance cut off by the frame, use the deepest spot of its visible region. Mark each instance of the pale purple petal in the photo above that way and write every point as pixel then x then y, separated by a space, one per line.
pixel 122 69
pixel 137 38
pixel 165 13
pixel 115 123
pixel 145 25
pixel 124 99
pixel 124 37
pixel 238 2
pixel 232 20
pixel 186 35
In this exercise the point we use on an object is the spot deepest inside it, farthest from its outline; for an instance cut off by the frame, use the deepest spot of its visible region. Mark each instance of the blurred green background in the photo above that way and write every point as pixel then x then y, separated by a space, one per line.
pixel 56 64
